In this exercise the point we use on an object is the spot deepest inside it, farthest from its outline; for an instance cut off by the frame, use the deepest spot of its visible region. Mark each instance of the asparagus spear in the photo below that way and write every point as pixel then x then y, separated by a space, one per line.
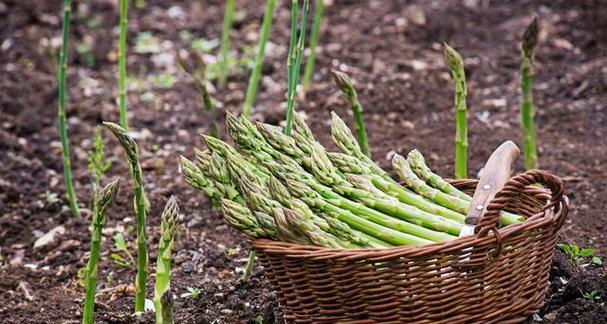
pixel 527 109
pixel 168 227
pixel 342 137
pixel 102 199
pixel 197 180
pixel 456 65
pixel 302 128
pixel 242 219
pixel 61 115
pixel 397 209
pixel 217 173
pixel 418 164
pixel 402 168
pixel 347 89
pixel 373 182
pixel 303 227
pixel 131 151
pixel 361 210
pixel 384 233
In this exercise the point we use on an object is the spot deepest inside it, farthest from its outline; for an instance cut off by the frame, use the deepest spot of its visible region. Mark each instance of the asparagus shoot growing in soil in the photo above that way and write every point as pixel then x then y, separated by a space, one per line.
pixel 65 144
pixel 311 60
pixel 102 199
pixel 527 108
pixel 168 227
pixel 294 59
pixel 344 84
pixel 456 65
pixel 124 121
pixel 131 152
pixel 97 162
pixel 264 34
pixel 228 17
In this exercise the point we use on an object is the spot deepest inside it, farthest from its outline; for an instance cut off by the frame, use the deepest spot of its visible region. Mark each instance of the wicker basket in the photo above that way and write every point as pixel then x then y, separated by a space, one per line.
pixel 494 276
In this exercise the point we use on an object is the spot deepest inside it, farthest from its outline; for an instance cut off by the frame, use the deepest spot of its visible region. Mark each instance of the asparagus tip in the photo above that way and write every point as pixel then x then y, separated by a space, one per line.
pixel 530 37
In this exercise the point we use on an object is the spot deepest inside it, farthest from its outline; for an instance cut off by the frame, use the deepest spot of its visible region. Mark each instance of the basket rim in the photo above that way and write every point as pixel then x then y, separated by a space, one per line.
pixel 541 219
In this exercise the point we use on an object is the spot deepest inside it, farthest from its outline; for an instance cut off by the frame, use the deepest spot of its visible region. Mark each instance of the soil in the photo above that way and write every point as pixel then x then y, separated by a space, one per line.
pixel 392 49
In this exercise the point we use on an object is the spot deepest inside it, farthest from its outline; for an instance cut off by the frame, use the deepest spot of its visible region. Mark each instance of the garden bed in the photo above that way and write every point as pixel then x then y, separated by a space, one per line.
pixel 393 51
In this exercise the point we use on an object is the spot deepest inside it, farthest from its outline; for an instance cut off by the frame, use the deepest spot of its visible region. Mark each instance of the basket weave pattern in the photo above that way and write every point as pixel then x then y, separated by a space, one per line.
pixel 494 276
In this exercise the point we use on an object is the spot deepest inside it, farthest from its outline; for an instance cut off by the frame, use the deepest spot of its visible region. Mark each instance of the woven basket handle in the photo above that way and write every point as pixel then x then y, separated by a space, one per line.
pixel 494 176
pixel 515 187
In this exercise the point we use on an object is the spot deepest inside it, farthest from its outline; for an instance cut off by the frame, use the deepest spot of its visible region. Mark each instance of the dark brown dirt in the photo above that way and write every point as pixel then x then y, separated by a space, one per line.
pixel 393 51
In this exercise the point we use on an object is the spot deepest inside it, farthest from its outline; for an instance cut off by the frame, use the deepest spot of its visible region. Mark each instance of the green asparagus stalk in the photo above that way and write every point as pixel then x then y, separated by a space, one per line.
pixel 303 227
pixel 402 168
pixel 456 65
pixel 342 137
pixel 264 34
pixel 225 41
pixel 302 128
pixel 242 219
pixel 124 121
pixel 294 60
pixel 280 193
pixel 393 207
pixel 344 84
pixel 168 227
pixel 383 232
pixel 374 183
pixel 65 145
pixel 418 164
pixel 527 109
pixel 102 199
pixel 131 152
pixel 309 68
pixel 329 196
pixel 197 180
pixel 215 170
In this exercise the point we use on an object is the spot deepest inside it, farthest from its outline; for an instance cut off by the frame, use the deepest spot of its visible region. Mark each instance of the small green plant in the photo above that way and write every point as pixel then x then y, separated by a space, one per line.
pixel 65 145
pixel 50 197
pixel 578 256
pixel 132 152
pixel 202 46
pixel 102 199
pixel 192 293
pixel 296 49
pixel 456 65
pixel 527 109
pixel 264 34
pixel 344 84
pixel 86 52
pixel 120 245
pixel 168 227
pixel 163 80
pixel 259 319
pixel 309 68
pixel 225 41
pixel 124 122
pixel 98 165
pixel 592 295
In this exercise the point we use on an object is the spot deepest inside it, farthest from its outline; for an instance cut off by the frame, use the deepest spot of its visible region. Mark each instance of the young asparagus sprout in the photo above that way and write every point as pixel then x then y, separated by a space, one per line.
pixel 344 84
pixel 131 152
pixel 61 77
pixel 124 121
pixel 225 41
pixel 294 59
pixel 309 68
pixel 302 128
pixel 168 227
pixel 97 163
pixel 264 34
pixel 527 107
pixel 102 199
pixel 456 65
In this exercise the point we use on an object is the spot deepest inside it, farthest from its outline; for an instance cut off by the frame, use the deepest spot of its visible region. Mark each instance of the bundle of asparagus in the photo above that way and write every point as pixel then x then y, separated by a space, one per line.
pixel 289 188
